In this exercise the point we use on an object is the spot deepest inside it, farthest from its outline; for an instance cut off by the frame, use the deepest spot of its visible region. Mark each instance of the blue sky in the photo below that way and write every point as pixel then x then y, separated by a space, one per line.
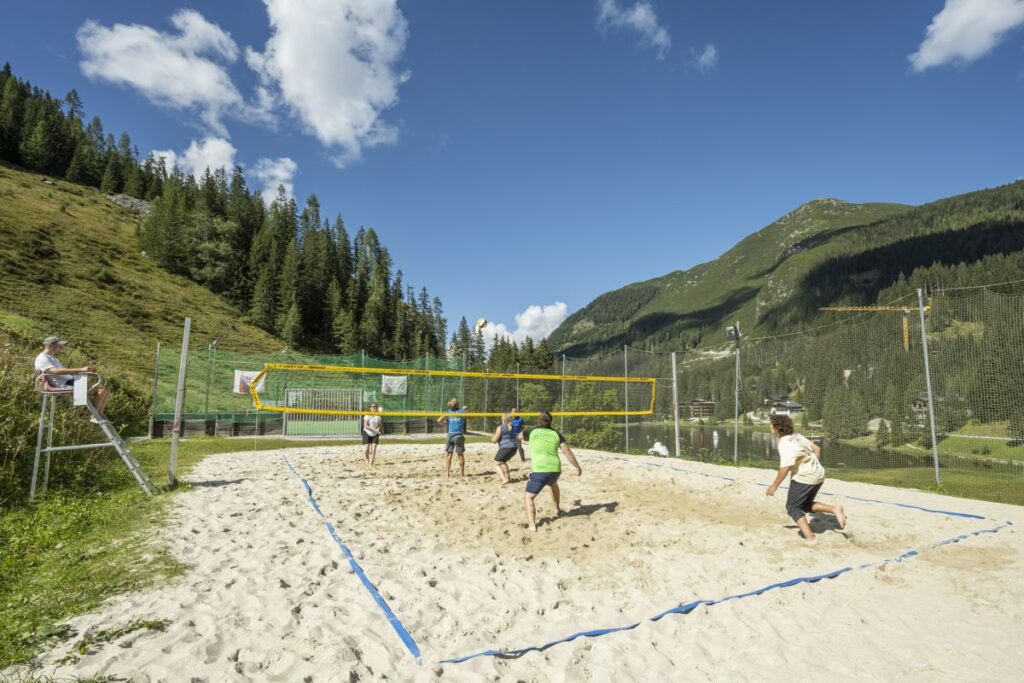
pixel 522 154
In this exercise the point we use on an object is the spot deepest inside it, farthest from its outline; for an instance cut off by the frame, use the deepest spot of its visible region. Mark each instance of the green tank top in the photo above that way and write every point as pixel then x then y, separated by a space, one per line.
pixel 544 445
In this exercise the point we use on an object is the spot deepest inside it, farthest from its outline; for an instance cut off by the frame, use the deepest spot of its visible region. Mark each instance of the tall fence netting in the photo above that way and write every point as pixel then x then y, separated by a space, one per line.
pixel 858 384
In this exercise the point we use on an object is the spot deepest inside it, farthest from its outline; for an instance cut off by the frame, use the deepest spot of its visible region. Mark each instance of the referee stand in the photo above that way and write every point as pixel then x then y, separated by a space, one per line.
pixel 79 392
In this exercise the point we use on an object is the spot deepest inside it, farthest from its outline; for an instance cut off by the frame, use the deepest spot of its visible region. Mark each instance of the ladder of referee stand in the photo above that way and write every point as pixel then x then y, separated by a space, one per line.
pixel 113 438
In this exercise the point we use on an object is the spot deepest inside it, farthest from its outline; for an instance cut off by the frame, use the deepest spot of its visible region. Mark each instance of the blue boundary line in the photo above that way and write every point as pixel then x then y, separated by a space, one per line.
pixel 402 632
pixel 688 607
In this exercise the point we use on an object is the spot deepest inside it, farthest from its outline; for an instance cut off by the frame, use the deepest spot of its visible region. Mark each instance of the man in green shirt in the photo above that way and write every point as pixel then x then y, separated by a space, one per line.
pixel 545 464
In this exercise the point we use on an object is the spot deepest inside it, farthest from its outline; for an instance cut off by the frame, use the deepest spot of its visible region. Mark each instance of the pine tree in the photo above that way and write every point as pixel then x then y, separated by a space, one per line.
pixel 440 331
pixel 291 326
pixel 135 184
pixel 39 149
pixel 543 358
pixel 112 182
pixel 263 309
pixel 81 170
pixel 12 112
pixel 373 323
pixel 345 271
pixel 288 289
pixel 74 104
pixel 346 333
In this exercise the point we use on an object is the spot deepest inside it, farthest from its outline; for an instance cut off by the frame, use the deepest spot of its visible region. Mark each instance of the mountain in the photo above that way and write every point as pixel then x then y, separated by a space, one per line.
pixel 825 252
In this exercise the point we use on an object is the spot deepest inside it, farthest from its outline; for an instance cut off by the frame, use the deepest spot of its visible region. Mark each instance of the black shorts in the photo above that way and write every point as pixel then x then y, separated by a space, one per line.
pixel 456 443
pixel 800 499
pixel 538 480
pixel 505 454
pixel 367 439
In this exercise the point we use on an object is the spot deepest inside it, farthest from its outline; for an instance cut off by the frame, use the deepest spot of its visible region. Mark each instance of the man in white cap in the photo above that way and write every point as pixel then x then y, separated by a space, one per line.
pixel 60 377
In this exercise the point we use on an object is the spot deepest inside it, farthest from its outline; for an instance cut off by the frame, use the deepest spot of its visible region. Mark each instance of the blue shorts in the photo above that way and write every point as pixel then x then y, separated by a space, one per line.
pixel 538 480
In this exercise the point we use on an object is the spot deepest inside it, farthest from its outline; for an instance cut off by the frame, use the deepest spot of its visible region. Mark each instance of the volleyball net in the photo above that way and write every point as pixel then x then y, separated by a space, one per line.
pixel 345 391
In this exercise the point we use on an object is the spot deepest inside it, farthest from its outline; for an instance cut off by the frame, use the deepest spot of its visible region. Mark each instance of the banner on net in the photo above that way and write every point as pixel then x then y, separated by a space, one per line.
pixel 243 378
pixel 394 385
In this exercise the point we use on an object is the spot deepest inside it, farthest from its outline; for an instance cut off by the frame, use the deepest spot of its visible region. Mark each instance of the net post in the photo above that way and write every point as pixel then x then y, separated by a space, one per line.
pixel 736 406
pixel 210 348
pixel 561 418
pixel 928 384
pixel 675 401
pixel 625 393
pixel 179 401
pixel 156 383
pixel 517 382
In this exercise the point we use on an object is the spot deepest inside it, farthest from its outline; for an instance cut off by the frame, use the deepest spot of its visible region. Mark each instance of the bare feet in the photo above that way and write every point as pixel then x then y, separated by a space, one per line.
pixel 840 514
pixel 532 527
pixel 812 541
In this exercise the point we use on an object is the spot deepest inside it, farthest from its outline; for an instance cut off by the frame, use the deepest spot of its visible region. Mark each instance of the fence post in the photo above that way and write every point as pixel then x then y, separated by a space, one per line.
pixel 156 382
pixel 209 369
pixel 625 375
pixel 179 402
pixel 928 384
pixel 675 400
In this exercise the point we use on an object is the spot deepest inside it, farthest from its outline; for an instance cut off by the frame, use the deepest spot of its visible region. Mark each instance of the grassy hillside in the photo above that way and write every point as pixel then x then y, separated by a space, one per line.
pixel 752 276
pixel 825 252
pixel 70 265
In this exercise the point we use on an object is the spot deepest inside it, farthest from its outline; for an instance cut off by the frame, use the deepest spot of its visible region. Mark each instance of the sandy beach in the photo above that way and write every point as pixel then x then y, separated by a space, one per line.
pixel 269 596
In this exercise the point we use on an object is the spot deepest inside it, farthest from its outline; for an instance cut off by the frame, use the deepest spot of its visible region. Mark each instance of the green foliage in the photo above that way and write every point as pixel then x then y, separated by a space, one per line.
pixel 534 398
pixel 596 432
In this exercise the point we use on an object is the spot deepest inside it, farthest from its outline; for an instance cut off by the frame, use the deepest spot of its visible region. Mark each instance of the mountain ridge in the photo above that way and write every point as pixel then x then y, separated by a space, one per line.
pixel 785 264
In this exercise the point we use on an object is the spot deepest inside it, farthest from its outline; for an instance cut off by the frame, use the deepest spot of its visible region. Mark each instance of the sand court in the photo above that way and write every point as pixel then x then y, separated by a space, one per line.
pixel 270 595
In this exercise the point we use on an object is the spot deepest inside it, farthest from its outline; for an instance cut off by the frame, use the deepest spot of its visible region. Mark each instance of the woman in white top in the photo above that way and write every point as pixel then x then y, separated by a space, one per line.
pixel 371 430
pixel 801 457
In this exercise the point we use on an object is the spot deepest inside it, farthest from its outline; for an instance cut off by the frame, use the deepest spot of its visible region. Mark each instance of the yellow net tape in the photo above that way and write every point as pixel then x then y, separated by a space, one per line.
pixel 259 404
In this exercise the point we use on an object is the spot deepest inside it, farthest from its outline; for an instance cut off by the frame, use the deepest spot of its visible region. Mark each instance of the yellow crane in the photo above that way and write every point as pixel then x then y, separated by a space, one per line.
pixel 872 309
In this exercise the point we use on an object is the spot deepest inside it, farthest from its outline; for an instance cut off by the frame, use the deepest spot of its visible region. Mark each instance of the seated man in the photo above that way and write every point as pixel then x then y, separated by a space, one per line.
pixel 60 377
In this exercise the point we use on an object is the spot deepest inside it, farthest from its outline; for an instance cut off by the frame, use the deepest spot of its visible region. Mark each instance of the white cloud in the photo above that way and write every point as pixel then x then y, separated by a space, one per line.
pixel 708 59
pixel 965 30
pixel 272 173
pixel 333 64
pixel 639 17
pixel 181 70
pixel 210 152
pixel 536 322
pixel 169 156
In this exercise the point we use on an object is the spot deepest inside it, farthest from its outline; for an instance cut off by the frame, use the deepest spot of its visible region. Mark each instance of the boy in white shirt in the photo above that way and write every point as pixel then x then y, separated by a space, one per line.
pixel 802 458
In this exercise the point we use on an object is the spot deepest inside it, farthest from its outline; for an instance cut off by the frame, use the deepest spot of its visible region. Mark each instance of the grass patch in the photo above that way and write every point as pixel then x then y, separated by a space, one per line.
pixel 95 640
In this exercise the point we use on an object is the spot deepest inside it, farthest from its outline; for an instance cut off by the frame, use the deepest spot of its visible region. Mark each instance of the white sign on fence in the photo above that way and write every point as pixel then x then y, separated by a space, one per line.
pixel 394 385
pixel 242 380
